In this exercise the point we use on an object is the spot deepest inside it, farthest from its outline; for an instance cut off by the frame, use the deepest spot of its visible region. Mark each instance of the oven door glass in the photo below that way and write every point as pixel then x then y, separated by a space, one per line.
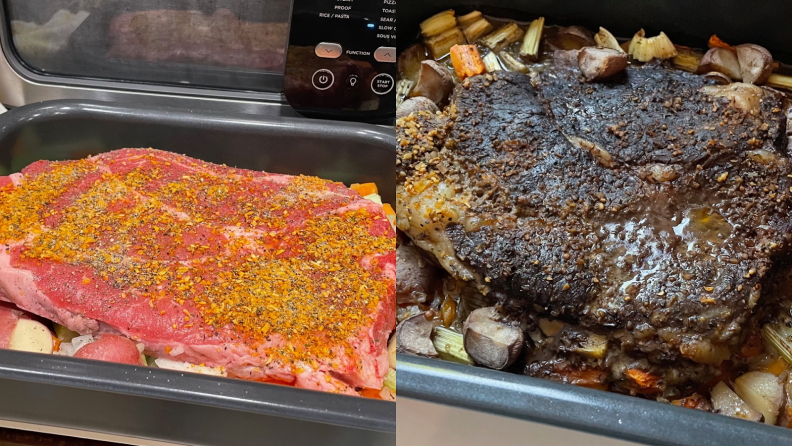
pixel 221 44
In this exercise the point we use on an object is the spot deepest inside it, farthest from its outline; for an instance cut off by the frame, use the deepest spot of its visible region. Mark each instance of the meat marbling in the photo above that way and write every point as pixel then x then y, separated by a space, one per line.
pixel 650 208
pixel 272 277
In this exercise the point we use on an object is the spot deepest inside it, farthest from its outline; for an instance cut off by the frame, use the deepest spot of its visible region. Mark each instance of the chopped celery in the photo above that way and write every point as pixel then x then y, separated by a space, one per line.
pixel 530 45
pixel 64 334
pixel 390 380
pixel 450 346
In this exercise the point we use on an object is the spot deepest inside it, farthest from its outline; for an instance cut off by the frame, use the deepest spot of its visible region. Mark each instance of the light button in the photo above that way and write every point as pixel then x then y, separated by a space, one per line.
pixel 352 81
pixel 385 54
pixel 328 50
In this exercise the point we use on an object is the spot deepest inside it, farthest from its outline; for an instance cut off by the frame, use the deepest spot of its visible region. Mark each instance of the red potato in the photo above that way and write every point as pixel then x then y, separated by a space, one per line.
pixel 601 63
pixel 8 321
pixel 756 63
pixel 721 60
pixel 19 332
pixel 111 348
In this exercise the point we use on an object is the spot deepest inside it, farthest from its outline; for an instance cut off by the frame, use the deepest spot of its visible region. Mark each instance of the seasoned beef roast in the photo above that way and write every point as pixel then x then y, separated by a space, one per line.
pixel 271 277
pixel 192 37
pixel 649 209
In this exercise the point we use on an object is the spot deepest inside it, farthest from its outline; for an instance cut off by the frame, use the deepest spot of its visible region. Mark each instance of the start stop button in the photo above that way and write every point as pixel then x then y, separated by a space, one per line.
pixel 382 84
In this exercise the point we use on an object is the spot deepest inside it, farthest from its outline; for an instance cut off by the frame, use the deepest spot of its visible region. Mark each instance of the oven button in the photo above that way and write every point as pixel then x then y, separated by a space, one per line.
pixel 328 50
pixel 385 54
pixel 352 81
pixel 382 83
pixel 323 79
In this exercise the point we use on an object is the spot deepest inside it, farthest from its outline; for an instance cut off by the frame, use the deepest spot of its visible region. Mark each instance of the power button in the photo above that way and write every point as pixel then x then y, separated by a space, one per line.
pixel 323 79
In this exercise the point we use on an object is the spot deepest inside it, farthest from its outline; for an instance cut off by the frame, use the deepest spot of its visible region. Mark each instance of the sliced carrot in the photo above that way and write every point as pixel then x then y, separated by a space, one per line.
pixel 371 393
pixel 716 42
pixel 56 344
pixel 645 380
pixel 467 61
pixel 777 367
pixel 364 189
pixel 388 209
pixel 592 378
pixel 695 401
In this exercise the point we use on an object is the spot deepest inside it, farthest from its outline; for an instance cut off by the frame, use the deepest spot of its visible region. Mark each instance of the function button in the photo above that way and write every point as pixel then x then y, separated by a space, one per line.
pixel 352 81
pixel 382 84
pixel 323 79
pixel 385 54
pixel 328 50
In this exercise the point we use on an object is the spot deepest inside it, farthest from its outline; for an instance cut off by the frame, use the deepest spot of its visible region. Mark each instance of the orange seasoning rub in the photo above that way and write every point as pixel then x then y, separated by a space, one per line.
pixel 236 252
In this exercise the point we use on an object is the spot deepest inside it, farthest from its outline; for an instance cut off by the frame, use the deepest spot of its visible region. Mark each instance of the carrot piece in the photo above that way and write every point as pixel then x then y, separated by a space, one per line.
pixel 777 367
pixel 716 42
pixel 592 378
pixel 56 343
pixel 467 61
pixel 364 189
pixel 645 380
pixel 371 393
pixel 695 401
pixel 388 209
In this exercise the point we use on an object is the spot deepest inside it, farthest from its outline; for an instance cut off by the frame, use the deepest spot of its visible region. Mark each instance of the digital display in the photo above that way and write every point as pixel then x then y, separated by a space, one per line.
pixel 342 58
pixel 375 18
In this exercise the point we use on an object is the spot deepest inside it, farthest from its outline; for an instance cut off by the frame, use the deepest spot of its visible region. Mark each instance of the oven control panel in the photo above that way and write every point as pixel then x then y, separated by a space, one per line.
pixel 341 61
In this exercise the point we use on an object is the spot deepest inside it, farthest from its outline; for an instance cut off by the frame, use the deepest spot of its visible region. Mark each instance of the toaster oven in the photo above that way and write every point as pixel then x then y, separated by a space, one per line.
pixel 319 58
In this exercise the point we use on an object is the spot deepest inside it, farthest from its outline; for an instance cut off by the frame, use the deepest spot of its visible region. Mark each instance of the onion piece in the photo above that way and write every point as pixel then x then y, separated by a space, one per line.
pixel 180 366
pixel 80 341
pixel 606 40
pixel 763 392
pixel 645 49
pixel 726 402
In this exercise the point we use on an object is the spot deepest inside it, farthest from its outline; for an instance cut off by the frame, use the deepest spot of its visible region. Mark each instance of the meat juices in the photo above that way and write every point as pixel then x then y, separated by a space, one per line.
pixel 271 277
pixel 649 209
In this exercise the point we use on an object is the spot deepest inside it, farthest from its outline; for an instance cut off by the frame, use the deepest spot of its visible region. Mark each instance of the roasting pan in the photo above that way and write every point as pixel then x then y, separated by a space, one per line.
pixel 428 388
pixel 138 404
